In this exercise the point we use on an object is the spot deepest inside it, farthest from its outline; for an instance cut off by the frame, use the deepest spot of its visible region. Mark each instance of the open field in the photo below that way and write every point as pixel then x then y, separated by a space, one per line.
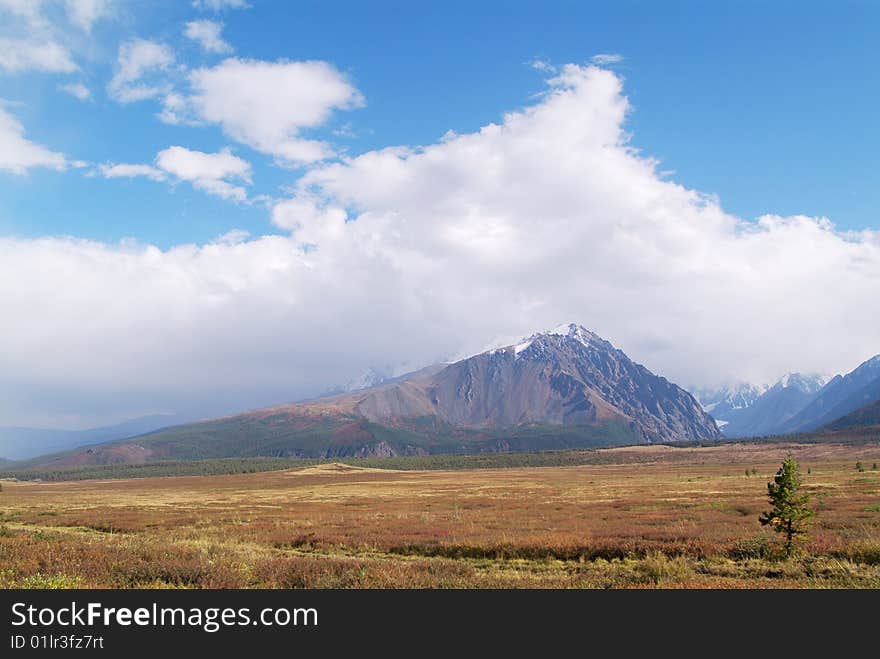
pixel 26 470
pixel 648 517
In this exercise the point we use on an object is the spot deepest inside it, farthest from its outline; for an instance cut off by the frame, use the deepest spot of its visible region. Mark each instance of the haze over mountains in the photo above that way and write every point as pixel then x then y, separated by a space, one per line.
pixel 766 408
pixel 869 415
pixel 797 403
pixel 564 388
pixel 841 396
pixel 728 400
pixel 23 443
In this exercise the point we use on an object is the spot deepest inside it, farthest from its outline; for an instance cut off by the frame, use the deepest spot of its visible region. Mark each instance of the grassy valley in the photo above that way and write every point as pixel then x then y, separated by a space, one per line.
pixel 639 516
pixel 278 437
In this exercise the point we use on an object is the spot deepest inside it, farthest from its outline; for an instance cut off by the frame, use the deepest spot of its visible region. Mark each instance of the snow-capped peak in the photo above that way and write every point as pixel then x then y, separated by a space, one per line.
pixel 574 331
pixel 371 377
pixel 569 330
pixel 519 347
pixel 563 330
pixel 806 382
pixel 731 396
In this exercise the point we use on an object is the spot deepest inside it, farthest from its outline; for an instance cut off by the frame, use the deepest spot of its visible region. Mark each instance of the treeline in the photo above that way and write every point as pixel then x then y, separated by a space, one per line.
pixel 570 458
pixel 160 468
pixel 223 466
pixel 449 461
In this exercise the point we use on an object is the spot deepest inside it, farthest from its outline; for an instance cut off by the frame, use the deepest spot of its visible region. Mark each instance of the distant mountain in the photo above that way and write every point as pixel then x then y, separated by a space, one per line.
pixel 776 406
pixel 24 443
pixel 723 401
pixel 841 396
pixel 869 415
pixel 372 377
pixel 563 388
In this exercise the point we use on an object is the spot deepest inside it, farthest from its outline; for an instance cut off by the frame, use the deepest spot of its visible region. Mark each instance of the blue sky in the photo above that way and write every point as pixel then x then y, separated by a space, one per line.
pixel 771 106
pixel 219 204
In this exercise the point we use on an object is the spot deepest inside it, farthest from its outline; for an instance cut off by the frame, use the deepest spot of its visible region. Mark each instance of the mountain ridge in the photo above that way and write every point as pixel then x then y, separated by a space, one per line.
pixel 775 406
pixel 867 416
pixel 842 395
pixel 563 388
pixel 22 443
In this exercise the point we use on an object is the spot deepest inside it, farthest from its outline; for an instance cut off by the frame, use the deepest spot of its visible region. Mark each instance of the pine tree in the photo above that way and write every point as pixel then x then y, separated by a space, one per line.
pixel 790 507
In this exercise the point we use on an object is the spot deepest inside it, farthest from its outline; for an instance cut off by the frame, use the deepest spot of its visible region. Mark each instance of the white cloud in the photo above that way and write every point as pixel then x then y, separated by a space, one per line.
pixel 124 170
pixel 220 5
pixel 606 59
pixel 138 62
pixel 77 90
pixel 208 34
pixel 84 13
pixel 29 10
pixel 174 110
pixel 541 64
pixel 35 37
pixel 232 237
pixel 17 55
pixel 266 105
pixel 413 254
pixel 207 171
pixel 18 154
pixel 312 220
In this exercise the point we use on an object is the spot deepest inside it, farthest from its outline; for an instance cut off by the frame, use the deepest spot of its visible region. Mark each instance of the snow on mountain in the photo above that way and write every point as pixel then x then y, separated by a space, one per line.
pixel 842 395
pixel 371 377
pixel 721 401
pixel 571 330
pixel 768 413
pixel 809 383
pixel 566 388
pixel 727 404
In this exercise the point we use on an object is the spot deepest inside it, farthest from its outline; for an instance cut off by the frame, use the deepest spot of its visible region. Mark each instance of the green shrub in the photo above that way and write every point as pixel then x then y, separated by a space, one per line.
pixel 756 547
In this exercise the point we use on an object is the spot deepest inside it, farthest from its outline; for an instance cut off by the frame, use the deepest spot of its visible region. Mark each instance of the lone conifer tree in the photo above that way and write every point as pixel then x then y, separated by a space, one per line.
pixel 790 507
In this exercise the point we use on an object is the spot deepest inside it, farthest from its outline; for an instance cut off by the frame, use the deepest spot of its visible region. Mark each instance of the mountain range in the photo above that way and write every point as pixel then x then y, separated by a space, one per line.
pixel 797 403
pixel 843 395
pixel 764 413
pixel 869 415
pixel 563 388
pixel 18 443
pixel 729 399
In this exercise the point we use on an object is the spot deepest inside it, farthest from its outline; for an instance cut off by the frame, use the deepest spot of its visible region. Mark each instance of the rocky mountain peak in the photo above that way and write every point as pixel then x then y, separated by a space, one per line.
pixel 808 383
pixel 560 334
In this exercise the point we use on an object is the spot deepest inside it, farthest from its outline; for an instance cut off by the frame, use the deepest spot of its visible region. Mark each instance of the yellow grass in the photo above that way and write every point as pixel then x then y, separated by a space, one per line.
pixel 686 518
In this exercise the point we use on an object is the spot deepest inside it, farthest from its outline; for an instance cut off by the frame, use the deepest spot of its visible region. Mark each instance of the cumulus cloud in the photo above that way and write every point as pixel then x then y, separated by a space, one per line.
pixel 409 255
pixel 30 10
pixel 18 55
pixel 84 13
pixel 312 220
pixel 209 172
pixel 34 37
pixel 18 154
pixel 127 170
pixel 138 63
pixel 267 105
pixel 541 64
pixel 77 90
pixel 208 34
